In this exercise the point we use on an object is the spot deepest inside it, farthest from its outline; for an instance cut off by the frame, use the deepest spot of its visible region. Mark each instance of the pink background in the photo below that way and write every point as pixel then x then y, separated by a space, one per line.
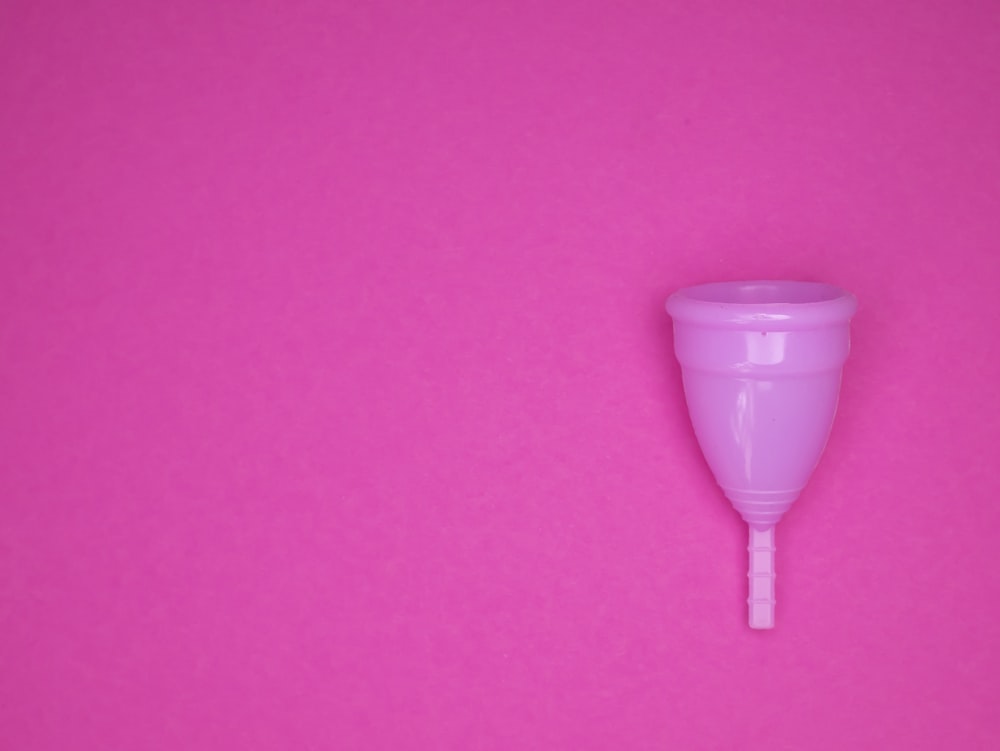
pixel 337 402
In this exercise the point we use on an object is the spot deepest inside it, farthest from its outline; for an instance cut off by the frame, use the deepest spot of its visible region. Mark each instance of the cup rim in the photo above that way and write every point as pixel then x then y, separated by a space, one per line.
pixel 765 304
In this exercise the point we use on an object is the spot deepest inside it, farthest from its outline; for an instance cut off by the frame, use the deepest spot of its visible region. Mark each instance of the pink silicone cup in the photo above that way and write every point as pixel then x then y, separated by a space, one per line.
pixel 761 363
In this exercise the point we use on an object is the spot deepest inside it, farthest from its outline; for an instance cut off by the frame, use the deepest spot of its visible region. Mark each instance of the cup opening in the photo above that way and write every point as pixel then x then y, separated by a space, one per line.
pixel 764 293
pixel 764 305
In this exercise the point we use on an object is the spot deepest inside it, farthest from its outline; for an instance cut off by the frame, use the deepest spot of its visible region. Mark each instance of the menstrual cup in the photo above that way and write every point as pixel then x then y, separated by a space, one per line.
pixel 761 364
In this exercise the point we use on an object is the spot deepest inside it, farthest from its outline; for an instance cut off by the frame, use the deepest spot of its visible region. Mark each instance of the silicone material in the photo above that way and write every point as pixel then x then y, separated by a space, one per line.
pixel 761 363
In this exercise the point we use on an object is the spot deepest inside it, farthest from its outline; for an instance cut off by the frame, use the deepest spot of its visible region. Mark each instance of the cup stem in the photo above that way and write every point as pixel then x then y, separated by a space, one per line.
pixel 761 578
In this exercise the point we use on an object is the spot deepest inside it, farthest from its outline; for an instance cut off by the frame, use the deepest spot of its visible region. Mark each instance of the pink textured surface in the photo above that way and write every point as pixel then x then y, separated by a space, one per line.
pixel 337 401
